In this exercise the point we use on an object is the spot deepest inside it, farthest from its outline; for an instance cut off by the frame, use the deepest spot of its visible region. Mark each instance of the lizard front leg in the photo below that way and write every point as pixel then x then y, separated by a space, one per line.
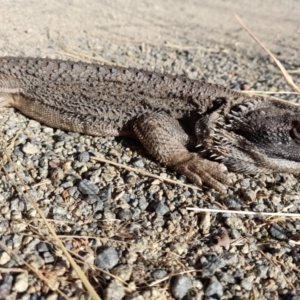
pixel 166 140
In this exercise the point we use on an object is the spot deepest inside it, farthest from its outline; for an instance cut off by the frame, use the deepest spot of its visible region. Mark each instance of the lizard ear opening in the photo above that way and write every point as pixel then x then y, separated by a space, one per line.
pixel 295 133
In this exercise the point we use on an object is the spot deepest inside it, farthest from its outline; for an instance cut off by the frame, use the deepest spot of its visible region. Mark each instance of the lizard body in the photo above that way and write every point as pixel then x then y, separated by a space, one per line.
pixel 170 115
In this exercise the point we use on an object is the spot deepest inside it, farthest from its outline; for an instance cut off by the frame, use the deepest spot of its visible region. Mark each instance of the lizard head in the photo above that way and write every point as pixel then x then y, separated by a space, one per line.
pixel 258 135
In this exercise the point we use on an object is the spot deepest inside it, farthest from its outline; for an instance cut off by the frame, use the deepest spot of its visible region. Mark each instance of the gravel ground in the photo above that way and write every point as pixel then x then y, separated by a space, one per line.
pixel 131 234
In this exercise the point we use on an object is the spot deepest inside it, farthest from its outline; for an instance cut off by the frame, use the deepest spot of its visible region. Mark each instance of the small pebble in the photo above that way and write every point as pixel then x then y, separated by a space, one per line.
pixel 138 163
pixel 30 148
pixel 4 258
pixel 246 284
pixel 107 258
pixel 180 286
pixel 114 291
pixel 124 214
pixel 84 157
pixel 43 247
pixel 161 208
pixel 261 271
pixel 105 193
pixel 143 203
pixel 122 271
pixel 214 289
pixel 21 282
pixel 159 274
pixel 6 285
pixel 277 232
pixel 86 187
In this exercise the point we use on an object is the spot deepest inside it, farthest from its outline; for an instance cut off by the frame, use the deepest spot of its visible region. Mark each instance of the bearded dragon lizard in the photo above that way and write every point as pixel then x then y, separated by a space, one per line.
pixel 197 128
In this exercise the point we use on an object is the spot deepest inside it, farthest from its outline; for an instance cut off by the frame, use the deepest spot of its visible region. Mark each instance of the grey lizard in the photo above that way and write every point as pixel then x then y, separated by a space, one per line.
pixel 197 128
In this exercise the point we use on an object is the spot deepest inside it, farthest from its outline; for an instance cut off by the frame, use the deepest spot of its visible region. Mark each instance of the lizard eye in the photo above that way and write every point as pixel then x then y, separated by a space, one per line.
pixel 296 133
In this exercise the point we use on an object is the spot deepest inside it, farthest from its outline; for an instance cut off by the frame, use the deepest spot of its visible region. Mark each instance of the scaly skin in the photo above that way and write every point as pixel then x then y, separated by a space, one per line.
pixel 170 115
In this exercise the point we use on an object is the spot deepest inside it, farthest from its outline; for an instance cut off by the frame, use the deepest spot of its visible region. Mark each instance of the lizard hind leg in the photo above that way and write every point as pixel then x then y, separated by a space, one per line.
pixel 166 140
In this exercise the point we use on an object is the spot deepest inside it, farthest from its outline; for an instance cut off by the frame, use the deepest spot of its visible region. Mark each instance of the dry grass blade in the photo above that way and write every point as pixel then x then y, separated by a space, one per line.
pixel 143 172
pixel 267 93
pixel 294 243
pixel 81 275
pixel 275 214
pixel 260 93
pixel 294 71
pixel 288 78
pixel 12 270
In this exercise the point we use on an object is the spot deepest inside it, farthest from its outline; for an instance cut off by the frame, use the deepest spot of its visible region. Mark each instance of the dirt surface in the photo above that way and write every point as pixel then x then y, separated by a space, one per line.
pixel 43 28
pixel 130 225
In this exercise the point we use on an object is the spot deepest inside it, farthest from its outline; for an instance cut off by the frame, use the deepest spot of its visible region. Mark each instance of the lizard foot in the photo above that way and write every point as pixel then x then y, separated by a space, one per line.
pixel 199 170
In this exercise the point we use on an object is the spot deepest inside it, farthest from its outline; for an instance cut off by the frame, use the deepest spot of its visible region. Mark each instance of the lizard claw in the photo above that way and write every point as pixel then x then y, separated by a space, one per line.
pixel 199 170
